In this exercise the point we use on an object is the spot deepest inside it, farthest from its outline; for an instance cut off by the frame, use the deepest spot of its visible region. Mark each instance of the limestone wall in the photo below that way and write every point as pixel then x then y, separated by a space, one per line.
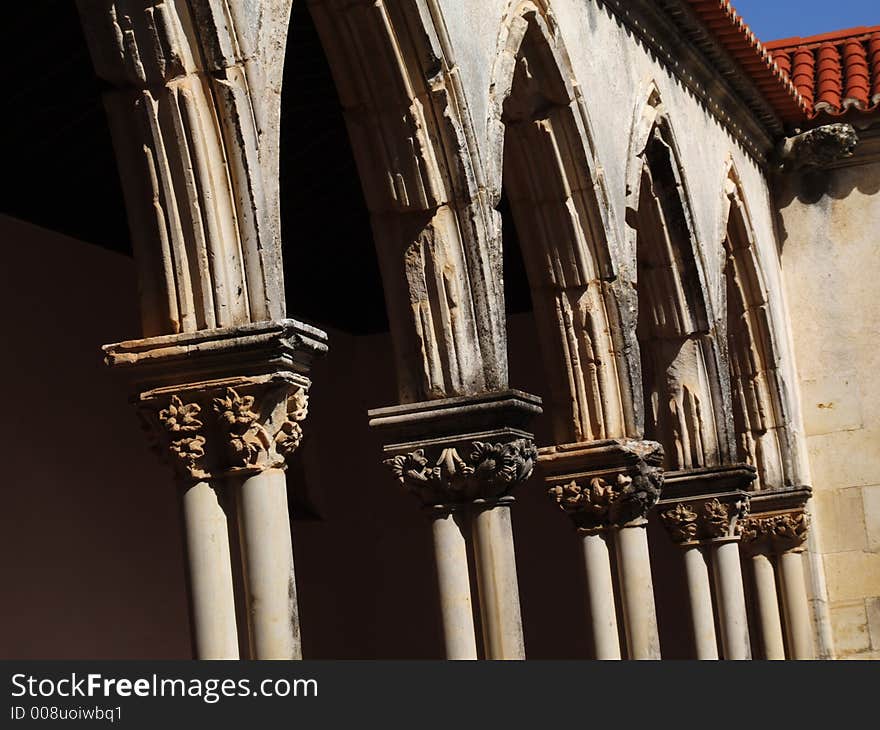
pixel 830 238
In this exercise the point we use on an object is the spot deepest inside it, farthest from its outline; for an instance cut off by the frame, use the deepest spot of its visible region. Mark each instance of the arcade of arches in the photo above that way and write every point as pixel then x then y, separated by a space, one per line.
pixel 615 397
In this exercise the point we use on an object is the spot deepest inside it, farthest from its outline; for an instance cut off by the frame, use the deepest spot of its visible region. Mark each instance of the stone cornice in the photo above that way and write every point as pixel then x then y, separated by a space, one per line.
pixel 703 66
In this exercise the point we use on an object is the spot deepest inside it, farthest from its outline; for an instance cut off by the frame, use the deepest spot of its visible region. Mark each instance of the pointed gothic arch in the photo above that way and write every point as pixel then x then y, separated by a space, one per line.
pixel 413 141
pixel 682 383
pixel 760 398
pixel 541 145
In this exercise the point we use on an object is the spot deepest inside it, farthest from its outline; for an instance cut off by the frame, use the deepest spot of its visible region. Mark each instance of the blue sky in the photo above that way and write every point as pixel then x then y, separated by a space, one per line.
pixel 772 19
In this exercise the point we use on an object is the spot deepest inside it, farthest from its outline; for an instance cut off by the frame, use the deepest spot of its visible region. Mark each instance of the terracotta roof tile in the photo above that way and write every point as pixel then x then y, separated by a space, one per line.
pixel 770 76
pixel 833 72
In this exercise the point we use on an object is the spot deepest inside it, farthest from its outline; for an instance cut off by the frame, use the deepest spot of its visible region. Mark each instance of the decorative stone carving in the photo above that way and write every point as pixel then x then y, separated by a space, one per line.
pixel 224 401
pixel 778 521
pixel 777 533
pixel 246 438
pixel 604 483
pixel 182 435
pixel 706 519
pixel 681 521
pixel 458 450
pixel 601 502
pixel 818 147
pixel 288 438
pixel 488 471
pixel 706 504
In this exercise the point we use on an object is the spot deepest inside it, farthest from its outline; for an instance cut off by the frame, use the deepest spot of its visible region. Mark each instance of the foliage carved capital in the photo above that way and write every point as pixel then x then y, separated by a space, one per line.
pixel 455 474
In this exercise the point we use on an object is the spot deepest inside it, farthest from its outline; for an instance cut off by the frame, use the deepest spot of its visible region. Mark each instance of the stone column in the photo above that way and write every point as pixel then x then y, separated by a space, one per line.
pixel 767 604
pixel 226 406
pixel 775 534
pixel 600 591
pixel 497 581
pixel 212 599
pixel 731 599
pixel 466 455
pixel 702 510
pixel 700 596
pixel 799 629
pixel 637 590
pixel 607 488
pixel 267 557
pixel 453 582
pixel 683 523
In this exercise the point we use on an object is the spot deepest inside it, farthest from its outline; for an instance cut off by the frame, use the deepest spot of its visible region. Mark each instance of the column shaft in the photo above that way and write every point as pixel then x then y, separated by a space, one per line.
pixel 637 591
pixel 600 594
pixel 768 607
pixel 798 627
pixel 700 597
pixel 267 554
pixel 456 608
pixel 210 574
pixel 731 600
pixel 497 581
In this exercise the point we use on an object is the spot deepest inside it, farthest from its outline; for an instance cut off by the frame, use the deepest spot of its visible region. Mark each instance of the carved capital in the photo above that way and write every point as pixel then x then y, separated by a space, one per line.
pixel 223 402
pixel 459 450
pixel 220 428
pixel 706 504
pixel 484 471
pixel 775 534
pixel 604 484
pixel 779 521
pixel 713 518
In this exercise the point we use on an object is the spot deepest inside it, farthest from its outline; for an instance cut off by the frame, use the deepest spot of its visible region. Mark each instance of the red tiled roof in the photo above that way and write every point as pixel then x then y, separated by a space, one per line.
pixel 833 72
pixel 736 37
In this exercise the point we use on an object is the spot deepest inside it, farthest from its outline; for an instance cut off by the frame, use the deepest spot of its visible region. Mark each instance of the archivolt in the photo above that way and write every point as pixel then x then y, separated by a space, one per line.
pixel 683 384
pixel 540 140
pixel 761 409
pixel 194 114
pixel 437 240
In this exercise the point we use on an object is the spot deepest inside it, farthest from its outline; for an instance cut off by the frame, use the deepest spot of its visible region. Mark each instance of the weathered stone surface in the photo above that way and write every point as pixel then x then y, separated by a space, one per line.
pixel 641 192
pixel 605 483
pixel 818 147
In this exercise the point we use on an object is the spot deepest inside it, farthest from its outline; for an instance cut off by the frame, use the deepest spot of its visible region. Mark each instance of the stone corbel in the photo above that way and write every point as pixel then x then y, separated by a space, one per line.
pixel 817 148
pixel 223 402
pixel 706 505
pixel 604 484
pixel 778 522
pixel 460 450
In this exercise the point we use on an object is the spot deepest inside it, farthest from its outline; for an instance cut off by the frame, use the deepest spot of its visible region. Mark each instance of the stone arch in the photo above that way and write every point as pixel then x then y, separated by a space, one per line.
pixel 683 383
pixel 760 399
pixel 413 141
pixel 194 112
pixel 540 143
